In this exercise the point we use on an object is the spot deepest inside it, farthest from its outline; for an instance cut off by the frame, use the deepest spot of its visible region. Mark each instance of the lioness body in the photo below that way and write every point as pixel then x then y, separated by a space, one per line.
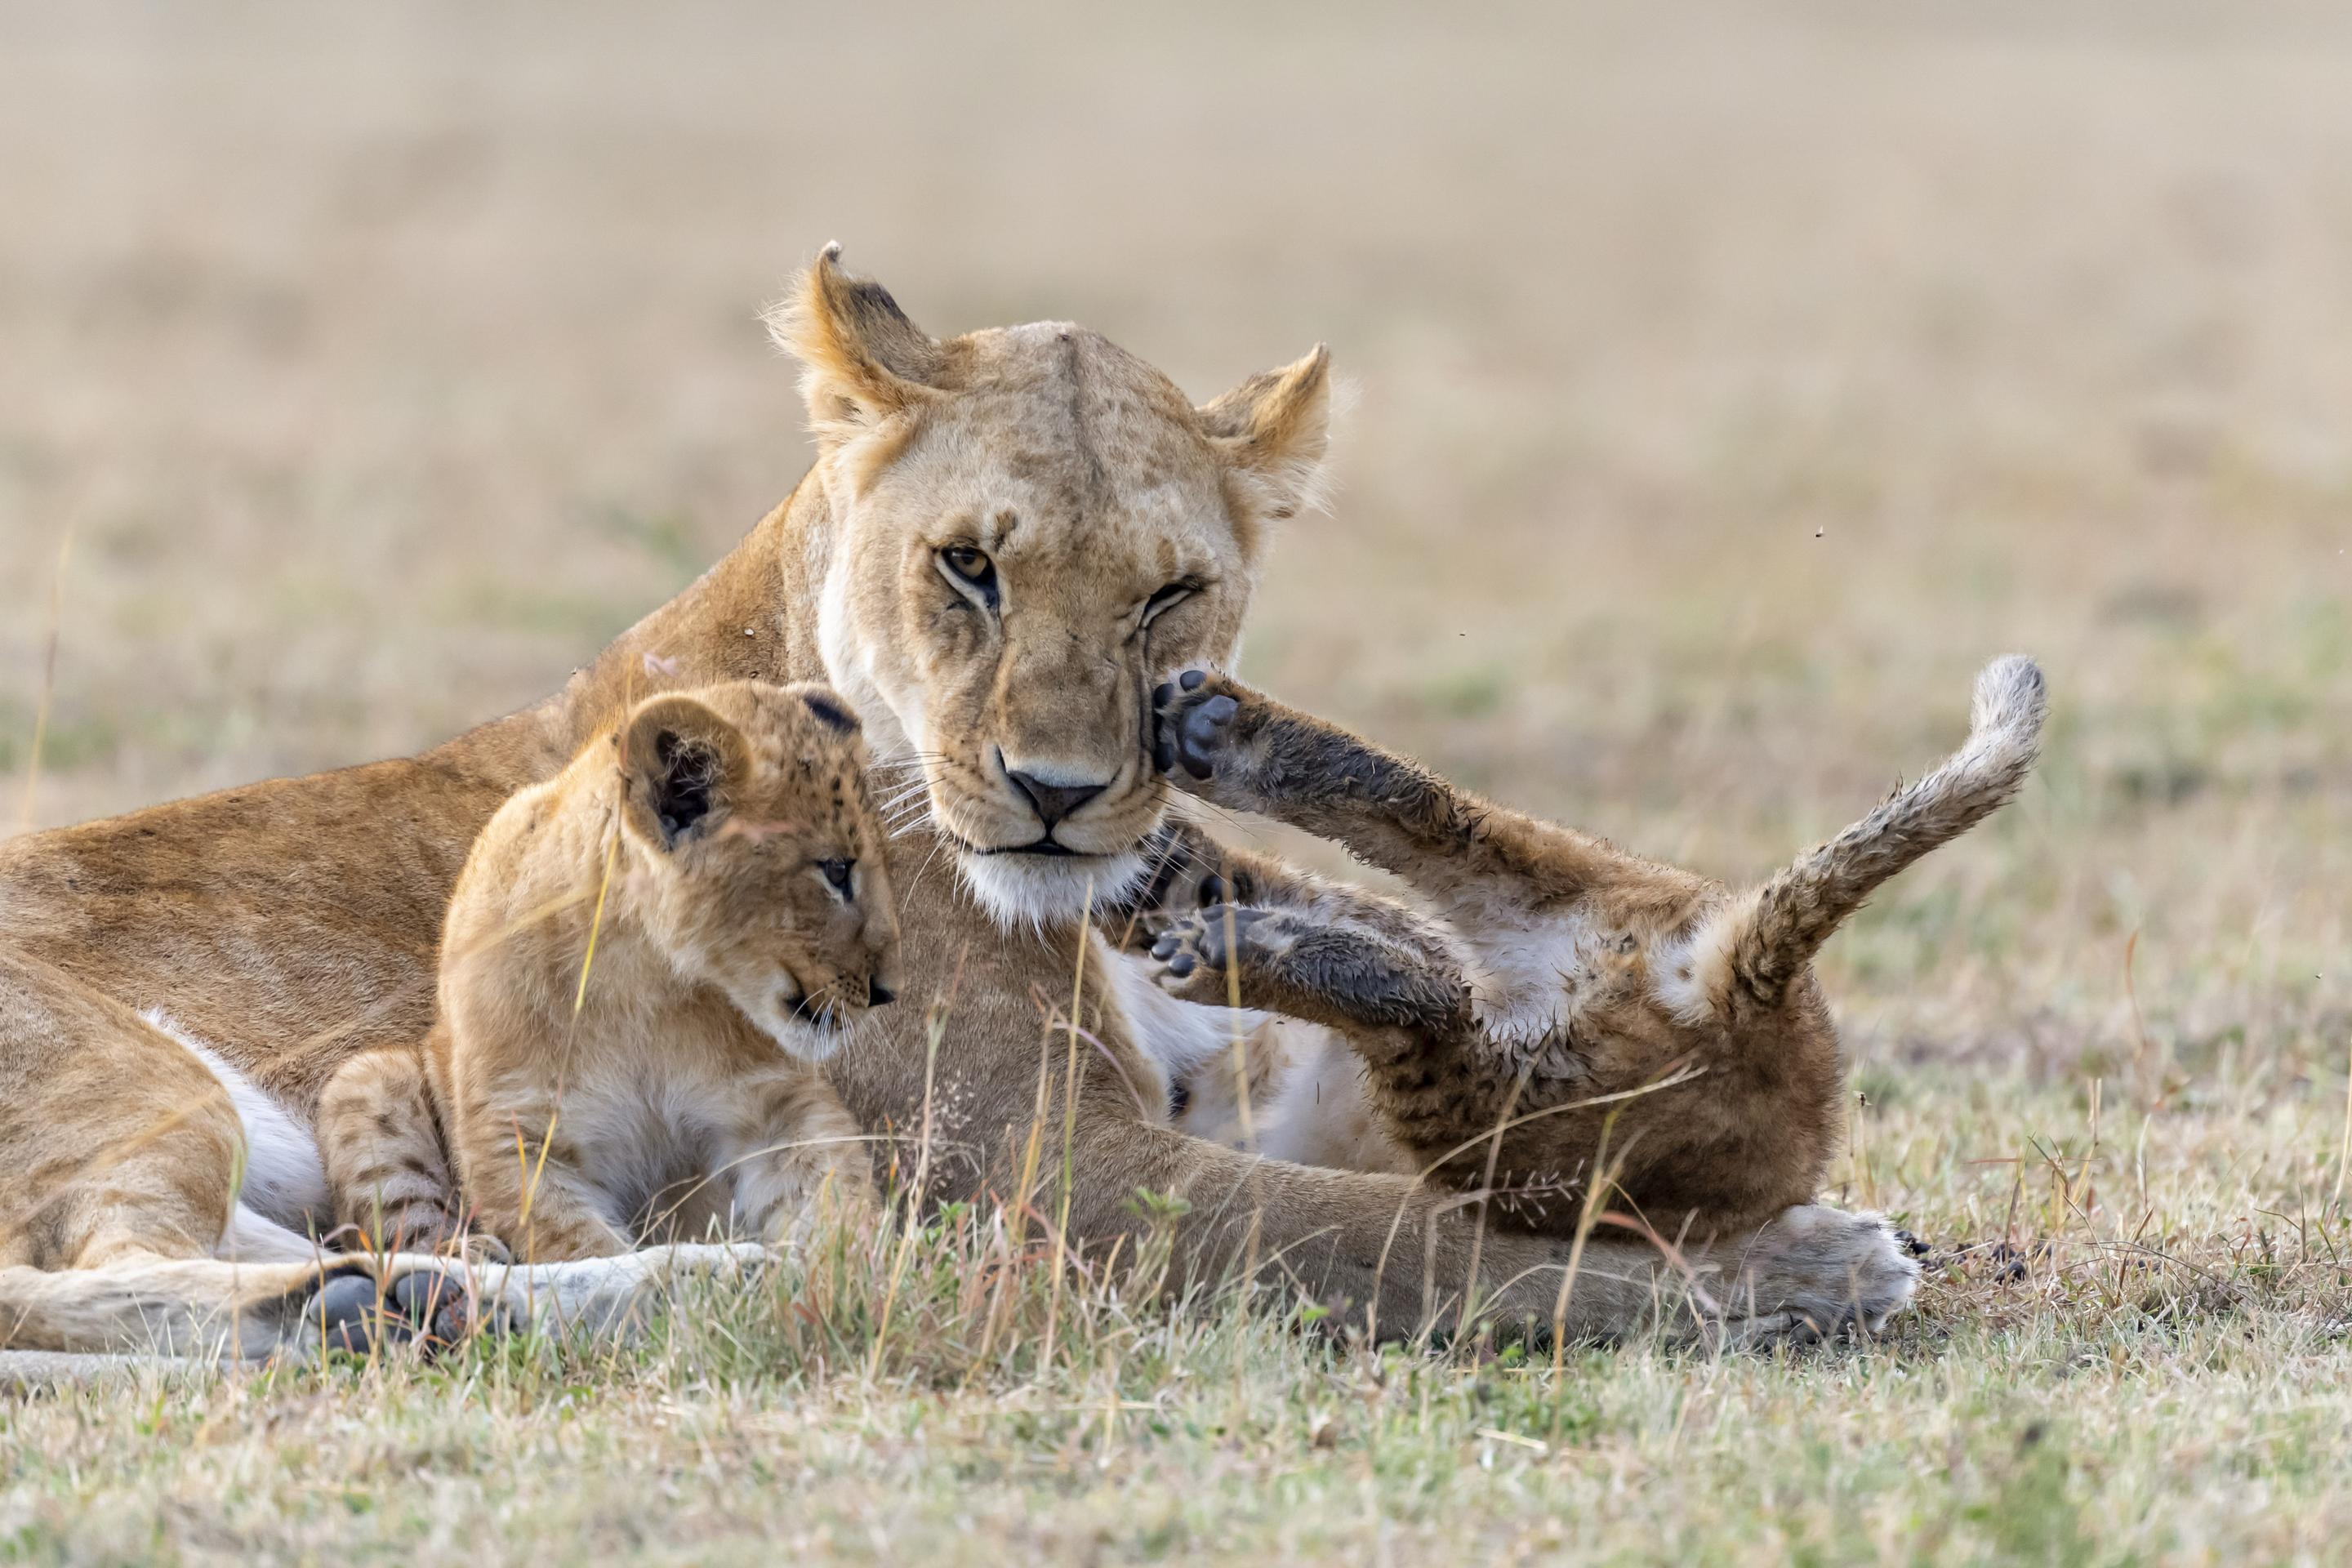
pixel 1112 530
pixel 718 855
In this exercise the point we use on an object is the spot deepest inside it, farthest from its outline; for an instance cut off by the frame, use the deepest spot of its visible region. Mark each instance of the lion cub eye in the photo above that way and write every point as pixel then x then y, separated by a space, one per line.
pixel 837 873
pixel 971 570
pixel 1168 598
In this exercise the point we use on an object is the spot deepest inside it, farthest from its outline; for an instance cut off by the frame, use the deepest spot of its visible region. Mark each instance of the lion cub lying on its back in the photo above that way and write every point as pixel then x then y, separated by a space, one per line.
pixel 1571 1005
pixel 720 847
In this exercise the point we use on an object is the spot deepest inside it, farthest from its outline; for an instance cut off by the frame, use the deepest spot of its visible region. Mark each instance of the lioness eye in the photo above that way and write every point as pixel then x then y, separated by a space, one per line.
pixel 970 569
pixel 1168 598
pixel 837 873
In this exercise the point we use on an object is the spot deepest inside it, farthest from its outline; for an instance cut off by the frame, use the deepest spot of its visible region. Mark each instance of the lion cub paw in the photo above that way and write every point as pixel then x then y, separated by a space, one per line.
pixel 1200 724
pixel 1209 956
pixel 1185 879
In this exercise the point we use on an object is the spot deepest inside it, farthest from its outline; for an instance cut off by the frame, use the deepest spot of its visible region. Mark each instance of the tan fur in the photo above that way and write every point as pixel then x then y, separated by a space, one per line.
pixel 387 1160
pixel 1579 1010
pixel 682 1092
pixel 293 924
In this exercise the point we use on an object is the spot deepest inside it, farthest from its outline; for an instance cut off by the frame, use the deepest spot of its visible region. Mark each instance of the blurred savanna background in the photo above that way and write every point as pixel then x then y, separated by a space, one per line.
pixel 1729 383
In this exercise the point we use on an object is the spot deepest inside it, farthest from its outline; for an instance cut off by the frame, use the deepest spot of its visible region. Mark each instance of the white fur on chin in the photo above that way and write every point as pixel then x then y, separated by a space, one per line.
pixel 1038 891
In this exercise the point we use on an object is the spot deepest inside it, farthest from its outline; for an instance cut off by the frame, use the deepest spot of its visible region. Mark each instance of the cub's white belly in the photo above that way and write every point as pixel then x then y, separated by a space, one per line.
pixel 1279 1086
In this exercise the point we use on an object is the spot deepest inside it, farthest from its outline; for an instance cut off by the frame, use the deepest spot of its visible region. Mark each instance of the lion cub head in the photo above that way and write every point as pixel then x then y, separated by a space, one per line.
pixel 753 856
pixel 1028 525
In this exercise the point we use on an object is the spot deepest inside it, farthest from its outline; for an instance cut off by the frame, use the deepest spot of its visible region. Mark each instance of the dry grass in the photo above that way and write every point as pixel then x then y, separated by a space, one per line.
pixel 1731 388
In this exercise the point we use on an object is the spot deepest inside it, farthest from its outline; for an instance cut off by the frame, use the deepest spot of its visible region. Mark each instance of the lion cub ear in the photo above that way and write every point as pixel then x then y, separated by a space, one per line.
pixel 1272 431
pixel 863 361
pixel 682 764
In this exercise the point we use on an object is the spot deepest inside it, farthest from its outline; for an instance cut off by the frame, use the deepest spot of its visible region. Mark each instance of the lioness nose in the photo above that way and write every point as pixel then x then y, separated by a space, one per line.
pixel 1054 801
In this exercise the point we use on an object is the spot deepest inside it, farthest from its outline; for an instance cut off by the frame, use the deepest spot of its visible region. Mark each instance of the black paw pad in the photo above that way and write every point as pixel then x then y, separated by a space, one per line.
pixel 348 1314
pixel 1202 733
pixel 1220 922
pixel 435 1305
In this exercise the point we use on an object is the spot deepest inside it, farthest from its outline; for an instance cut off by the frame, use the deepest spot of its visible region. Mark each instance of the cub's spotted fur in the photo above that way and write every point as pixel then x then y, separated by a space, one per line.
pixel 719 848
pixel 1576 1008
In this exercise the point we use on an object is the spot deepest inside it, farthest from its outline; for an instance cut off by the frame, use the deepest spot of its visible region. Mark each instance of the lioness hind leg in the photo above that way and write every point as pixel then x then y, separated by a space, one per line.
pixel 117 1143
pixel 381 1147
pixel 1809 1272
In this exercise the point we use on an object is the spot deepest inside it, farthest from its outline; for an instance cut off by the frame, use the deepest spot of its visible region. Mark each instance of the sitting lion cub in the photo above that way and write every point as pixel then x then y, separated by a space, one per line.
pixel 1573 1007
pixel 719 850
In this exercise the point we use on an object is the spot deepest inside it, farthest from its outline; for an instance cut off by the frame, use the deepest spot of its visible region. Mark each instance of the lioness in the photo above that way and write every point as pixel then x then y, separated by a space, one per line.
pixel 1573 1008
pixel 1006 539
pixel 718 857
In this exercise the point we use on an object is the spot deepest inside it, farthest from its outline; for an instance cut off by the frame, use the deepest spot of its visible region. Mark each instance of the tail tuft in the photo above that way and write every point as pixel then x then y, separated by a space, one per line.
pixel 1748 953
pixel 2012 701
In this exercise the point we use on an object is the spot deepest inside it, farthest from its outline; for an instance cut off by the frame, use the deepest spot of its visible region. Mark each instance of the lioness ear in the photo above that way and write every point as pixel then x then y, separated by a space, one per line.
pixel 863 361
pixel 681 761
pixel 1272 430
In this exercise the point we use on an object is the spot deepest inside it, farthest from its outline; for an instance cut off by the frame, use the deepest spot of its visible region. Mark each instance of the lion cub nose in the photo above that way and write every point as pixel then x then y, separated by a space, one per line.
pixel 1054 801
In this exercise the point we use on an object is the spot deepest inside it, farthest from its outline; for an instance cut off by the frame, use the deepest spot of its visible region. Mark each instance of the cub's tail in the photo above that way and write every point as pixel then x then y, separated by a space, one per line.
pixel 1747 954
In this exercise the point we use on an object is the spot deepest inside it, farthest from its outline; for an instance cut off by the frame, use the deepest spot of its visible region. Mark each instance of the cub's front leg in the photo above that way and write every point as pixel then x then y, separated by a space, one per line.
pixel 1400 1005
pixel 1392 980
pixel 1317 964
pixel 1191 870
pixel 1239 748
pixel 528 1183
pixel 381 1145
pixel 800 1158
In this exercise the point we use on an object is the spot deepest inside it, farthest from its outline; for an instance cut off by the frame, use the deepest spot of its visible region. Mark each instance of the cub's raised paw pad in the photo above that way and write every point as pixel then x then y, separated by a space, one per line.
pixel 1217 889
pixel 1202 940
pixel 1192 723
pixel 1182 880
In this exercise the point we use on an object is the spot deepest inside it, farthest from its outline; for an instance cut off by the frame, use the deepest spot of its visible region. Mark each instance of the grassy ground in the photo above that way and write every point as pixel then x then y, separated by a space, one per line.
pixel 1729 390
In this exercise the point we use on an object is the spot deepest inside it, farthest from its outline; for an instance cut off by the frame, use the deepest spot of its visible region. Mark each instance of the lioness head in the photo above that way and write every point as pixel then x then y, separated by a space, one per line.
pixel 755 858
pixel 1030 527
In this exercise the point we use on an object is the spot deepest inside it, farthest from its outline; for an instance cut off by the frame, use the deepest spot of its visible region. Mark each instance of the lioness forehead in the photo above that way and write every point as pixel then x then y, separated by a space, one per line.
pixel 1062 444
pixel 1078 419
